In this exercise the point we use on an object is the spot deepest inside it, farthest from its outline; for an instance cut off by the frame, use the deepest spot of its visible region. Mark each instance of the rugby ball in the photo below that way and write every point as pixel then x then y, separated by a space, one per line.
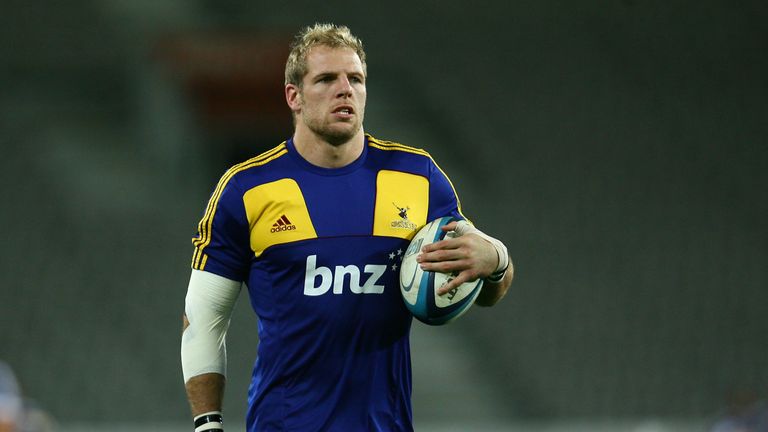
pixel 419 287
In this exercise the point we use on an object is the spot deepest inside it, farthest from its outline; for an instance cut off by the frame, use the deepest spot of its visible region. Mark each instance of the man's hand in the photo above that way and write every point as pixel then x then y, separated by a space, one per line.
pixel 469 256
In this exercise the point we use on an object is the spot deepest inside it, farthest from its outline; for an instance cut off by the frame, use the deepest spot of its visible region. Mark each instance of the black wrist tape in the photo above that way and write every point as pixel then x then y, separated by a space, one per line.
pixel 208 418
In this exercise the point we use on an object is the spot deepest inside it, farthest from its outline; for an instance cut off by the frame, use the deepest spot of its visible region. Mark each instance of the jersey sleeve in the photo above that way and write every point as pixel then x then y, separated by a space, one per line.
pixel 443 200
pixel 222 242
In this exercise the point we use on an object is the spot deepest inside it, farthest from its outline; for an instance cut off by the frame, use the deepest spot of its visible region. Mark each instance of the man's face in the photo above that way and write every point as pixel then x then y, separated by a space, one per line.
pixel 331 102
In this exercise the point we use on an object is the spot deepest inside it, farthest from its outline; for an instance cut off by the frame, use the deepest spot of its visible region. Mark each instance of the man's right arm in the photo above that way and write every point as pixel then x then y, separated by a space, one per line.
pixel 205 392
pixel 208 308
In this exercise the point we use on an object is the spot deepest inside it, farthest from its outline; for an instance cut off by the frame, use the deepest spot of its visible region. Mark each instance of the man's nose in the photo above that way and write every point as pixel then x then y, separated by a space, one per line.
pixel 345 87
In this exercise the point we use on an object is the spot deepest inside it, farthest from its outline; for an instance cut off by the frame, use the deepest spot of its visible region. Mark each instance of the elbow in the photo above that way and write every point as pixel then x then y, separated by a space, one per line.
pixel 488 299
pixel 492 293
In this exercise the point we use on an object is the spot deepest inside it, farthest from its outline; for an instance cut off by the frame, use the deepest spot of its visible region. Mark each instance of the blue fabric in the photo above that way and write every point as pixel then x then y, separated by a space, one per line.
pixel 340 360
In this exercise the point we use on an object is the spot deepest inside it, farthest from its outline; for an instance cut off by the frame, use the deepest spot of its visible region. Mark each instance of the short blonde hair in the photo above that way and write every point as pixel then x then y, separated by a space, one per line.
pixel 329 35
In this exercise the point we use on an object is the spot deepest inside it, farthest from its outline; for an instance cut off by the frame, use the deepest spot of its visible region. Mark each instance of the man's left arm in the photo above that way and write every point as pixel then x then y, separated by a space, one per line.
pixel 473 255
pixel 492 292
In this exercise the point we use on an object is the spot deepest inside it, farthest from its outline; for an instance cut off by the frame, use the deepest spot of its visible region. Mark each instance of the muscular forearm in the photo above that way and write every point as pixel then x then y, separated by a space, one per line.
pixel 205 393
pixel 493 292
pixel 208 307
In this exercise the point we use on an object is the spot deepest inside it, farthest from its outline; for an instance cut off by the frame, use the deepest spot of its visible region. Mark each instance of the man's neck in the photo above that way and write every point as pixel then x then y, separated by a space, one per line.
pixel 320 153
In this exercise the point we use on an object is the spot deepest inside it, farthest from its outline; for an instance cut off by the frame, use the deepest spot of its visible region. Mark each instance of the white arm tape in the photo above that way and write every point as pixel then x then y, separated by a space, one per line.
pixel 464 227
pixel 208 306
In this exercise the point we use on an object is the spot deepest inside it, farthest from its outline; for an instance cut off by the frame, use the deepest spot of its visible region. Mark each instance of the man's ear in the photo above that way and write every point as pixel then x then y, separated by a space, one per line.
pixel 293 97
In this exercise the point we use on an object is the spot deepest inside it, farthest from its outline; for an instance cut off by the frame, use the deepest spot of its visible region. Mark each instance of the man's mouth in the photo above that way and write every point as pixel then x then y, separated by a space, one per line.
pixel 344 110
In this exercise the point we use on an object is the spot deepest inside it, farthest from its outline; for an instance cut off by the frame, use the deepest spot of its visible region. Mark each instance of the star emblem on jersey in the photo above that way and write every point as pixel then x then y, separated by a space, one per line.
pixel 396 257
pixel 282 224
pixel 403 222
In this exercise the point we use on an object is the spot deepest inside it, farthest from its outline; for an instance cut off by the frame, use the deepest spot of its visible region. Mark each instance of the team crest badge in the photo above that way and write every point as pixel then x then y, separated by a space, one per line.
pixel 403 222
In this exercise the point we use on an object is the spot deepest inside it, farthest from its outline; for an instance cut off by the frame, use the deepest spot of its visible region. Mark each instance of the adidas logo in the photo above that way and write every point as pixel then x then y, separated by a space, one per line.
pixel 282 224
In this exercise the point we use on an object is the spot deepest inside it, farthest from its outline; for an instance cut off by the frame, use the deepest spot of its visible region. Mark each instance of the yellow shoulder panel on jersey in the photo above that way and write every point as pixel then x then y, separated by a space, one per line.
pixel 206 223
pixel 402 202
pixel 277 213
pixel 390 145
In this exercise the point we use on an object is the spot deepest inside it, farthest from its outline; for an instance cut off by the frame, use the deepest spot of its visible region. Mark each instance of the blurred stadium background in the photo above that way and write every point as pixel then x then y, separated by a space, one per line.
pixel 618 148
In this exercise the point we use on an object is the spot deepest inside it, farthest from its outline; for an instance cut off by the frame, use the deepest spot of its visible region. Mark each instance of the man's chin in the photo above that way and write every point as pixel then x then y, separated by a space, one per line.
pixel 337 136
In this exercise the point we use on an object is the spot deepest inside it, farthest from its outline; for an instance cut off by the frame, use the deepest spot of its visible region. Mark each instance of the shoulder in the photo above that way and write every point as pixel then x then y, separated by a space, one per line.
pixel 253 169
pixel 396 147
pixel 257 163
pixel 395 155
pixel 404 155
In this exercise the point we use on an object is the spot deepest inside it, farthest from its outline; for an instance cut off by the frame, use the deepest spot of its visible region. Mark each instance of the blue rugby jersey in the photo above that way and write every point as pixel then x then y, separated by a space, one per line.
pixel 319 250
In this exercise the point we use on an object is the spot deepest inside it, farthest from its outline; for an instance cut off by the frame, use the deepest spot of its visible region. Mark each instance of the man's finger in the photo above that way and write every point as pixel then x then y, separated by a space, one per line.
pixel 454 283
pixel 439 255
pixel 450 243
pixel 449 226
pixel 440 266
